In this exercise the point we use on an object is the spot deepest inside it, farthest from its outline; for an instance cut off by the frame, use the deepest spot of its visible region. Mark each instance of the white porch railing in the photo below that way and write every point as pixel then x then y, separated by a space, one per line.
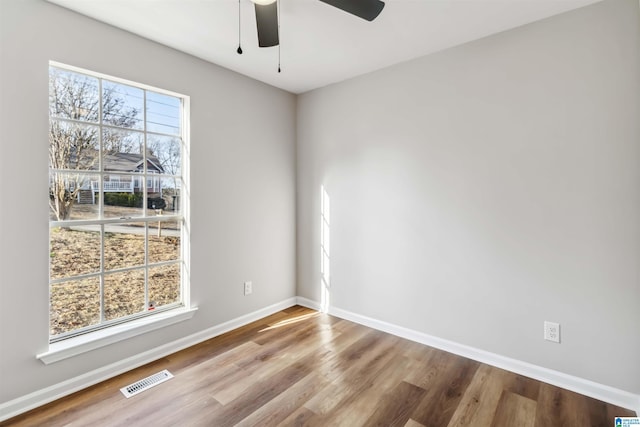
pixel 153 186
pixel 113 186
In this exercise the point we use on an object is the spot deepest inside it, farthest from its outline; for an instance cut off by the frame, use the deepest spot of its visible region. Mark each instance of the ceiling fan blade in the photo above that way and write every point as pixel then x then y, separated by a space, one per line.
pixel 365 9
pixel 267 23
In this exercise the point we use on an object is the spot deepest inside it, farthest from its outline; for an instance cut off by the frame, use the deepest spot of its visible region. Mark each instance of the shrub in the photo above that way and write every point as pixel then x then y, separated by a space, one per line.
pixel 130 200
pixel 133 200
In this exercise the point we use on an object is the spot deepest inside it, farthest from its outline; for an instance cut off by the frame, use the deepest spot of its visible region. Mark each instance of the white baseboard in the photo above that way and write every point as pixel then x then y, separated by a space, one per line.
pixel 589 388
pixel 305 302
pixel 41 397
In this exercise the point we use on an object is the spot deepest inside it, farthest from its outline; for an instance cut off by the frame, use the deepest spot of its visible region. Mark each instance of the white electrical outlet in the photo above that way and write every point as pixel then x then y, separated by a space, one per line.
pixel 552 331
pixel 248 288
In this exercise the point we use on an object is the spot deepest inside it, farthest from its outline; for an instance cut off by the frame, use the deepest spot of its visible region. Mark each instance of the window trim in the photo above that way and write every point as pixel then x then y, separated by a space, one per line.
pixel 79 344
pixel 63 346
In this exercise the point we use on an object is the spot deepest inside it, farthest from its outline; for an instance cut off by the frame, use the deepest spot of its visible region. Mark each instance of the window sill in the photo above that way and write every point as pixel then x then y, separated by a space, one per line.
pixel 84 343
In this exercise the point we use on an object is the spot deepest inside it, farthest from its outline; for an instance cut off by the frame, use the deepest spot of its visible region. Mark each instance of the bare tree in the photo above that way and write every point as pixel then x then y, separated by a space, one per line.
pixel 167 151
pixel 75 106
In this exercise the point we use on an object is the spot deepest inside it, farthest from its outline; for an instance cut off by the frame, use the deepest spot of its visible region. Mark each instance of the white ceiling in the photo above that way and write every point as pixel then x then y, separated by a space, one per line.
pixel 320 44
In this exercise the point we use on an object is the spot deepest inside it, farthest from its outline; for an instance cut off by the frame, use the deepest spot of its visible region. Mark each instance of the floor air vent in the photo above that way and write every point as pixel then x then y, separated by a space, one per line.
pixel 146 383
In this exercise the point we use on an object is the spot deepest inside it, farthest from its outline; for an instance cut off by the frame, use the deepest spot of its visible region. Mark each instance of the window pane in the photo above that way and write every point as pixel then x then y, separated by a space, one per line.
pixel 74 305
pixel 117 205
pixel 73 146
pixel 156 203
pixel 73 196
pixel 163 113
pixel 171 194
pixel 164 244
pixel 164 285
pixel 74 251
pixel 164 154
pixel 73 96
pixel 122 105
pixel 122 195
pixel 123 294
pixel 125 148
pixel 123 245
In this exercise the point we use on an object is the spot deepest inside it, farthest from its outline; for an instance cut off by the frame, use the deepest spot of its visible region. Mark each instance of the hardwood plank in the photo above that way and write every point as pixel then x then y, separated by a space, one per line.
pixel 358 407
pixel 352 372
pixel 514 410
pixel 294 309
pixel 396 406
pixel 598 413
pixel 214 346
pixel 616 411
pixel 285 404
pixel 165 410
pixel 298 418
pixel 433 362
pixel 445 392
pixel 272 357
pixel 524 386
pixel 298 327
pixel 298 367
pixel 481 398
pixel 561 407
pixel 262 392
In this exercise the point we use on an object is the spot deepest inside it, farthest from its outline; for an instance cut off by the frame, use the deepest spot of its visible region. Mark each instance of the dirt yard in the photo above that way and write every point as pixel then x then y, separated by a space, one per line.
pixel 76 304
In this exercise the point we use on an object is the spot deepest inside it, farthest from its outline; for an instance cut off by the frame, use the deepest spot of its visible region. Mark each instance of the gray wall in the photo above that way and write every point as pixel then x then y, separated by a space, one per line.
pixel 484 189
pixel 243 184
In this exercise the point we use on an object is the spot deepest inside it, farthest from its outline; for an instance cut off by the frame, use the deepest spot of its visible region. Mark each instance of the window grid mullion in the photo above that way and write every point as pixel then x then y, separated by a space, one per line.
pixel 144 200
pixel 114 127
pixel 146 266
pixel 74 222
pixel 115 270
pixel 184 134
pixel 102 245
pixel 101 201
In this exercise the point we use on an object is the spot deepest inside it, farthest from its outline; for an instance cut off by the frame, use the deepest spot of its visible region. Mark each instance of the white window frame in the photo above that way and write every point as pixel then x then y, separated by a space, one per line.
pixel 87 338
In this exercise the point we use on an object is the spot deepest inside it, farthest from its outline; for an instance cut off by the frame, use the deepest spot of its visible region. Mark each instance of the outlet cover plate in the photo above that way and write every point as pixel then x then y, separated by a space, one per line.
pixel 248 288
pixel 552 331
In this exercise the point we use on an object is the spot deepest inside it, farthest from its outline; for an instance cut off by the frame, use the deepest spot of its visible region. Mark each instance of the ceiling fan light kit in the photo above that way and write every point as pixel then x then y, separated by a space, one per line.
pixel 267 23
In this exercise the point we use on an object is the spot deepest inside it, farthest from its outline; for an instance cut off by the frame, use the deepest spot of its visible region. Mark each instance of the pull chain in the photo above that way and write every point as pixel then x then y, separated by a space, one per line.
pixel 239 31
pixel 279 34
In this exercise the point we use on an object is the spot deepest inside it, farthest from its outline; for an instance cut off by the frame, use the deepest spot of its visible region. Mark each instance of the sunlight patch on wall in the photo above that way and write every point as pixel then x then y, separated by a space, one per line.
pixel 325 254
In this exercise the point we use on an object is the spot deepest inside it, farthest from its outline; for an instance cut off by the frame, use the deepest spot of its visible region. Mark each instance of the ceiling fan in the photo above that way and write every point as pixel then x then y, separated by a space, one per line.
pixel 267 16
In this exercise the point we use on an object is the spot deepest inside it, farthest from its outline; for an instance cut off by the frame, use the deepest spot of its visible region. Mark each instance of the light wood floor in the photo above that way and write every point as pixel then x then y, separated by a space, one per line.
pixel 298 367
